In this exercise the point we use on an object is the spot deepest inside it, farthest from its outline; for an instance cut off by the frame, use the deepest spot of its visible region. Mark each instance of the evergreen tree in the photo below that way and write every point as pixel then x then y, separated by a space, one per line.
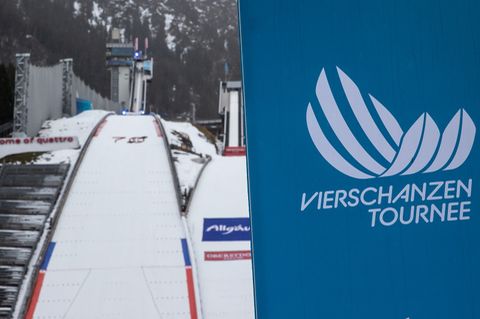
pixel 190 42
pixel 7 86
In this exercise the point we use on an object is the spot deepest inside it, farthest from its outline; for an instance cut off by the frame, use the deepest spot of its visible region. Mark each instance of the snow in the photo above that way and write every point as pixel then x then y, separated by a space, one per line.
pixel 57 157
pixel 108 24
pixel 200 142
pixel 188 167
pixel 97 12
pixel 168 21
pixel 146 17
pixel 80 125
pixel 171 42
pixel 170 38
pixel 188 163
pixel 77 6
pixel 226 287
pixel 118 251
pixel 145 14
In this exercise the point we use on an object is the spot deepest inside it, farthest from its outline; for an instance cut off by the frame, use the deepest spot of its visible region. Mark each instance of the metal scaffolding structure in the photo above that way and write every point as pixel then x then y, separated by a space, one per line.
pixel 21 93
pixel 67 80
pixel 48 93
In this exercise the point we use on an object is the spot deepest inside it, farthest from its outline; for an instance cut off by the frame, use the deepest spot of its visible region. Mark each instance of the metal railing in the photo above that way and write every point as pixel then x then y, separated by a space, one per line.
pixel 173 169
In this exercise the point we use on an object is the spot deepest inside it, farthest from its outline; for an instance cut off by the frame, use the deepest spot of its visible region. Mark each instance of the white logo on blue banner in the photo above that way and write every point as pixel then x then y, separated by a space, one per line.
pixel 363 178
pixel 422 149
pixel 226 229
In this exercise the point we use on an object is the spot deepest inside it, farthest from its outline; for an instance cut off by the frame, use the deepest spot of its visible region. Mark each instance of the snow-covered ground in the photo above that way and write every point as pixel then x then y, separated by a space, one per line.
pixel 226 286
pixel 190 150
pixel 200 143
pixel 80 125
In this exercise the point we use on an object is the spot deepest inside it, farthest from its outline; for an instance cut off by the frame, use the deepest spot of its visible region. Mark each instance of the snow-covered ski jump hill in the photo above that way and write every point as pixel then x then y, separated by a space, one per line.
pixel 121 247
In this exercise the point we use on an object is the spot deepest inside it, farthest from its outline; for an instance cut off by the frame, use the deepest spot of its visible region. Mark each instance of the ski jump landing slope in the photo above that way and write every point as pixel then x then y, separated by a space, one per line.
pixel 118 250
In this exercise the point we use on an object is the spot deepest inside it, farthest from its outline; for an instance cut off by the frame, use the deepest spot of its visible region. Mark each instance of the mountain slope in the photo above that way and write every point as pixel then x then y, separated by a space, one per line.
pixel 190 41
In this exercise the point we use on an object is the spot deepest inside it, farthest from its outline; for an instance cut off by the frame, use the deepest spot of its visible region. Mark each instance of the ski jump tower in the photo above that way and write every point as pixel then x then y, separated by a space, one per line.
pixel 119 59
pixel 130 71
pixel 142 73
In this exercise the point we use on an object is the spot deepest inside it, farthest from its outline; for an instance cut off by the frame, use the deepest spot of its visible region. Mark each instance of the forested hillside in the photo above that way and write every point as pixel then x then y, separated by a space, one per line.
pixel 190 41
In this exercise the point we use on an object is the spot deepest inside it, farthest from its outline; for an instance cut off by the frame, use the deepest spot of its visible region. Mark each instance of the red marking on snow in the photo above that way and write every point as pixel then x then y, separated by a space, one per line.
pixel 228 255
pixel 35 296
pixel 234 151
pixel 157 128
pixel 99 128
pixel 191 293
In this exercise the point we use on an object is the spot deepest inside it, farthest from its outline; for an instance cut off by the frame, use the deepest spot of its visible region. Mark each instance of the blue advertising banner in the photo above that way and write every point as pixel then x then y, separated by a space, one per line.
pixel 363 157
pixel 226 229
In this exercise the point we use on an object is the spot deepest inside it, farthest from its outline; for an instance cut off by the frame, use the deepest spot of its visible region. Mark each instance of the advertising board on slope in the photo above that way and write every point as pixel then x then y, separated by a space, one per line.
pixel 226 229
pixel 363 157
pixel 17 145
pixel 227 255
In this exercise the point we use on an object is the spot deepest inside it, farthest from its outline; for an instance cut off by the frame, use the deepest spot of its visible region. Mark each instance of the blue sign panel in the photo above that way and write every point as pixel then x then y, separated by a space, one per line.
pixel 226 229
pixel 363 157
